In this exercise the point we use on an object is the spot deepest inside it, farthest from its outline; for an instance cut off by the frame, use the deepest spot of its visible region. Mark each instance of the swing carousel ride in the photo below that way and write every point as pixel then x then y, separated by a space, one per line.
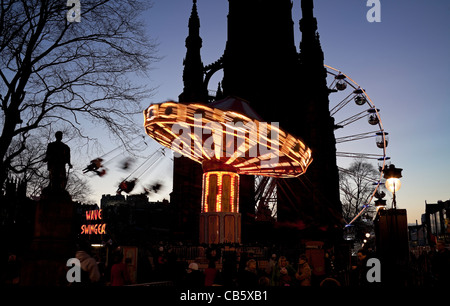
pixel 228 138
pixel 99 167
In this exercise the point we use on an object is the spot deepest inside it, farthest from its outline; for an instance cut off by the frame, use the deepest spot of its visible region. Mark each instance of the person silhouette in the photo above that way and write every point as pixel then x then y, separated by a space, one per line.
pixel 57 156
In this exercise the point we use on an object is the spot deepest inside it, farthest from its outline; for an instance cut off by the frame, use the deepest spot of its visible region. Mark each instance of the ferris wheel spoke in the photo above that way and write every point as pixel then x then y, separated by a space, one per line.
pixel 340 82
pixel 356 137
pixel 359 155
pixel 341 104
pixel 351 119
pixel 266 194
pixel 363 177
pixel 261 183
pixel 332 86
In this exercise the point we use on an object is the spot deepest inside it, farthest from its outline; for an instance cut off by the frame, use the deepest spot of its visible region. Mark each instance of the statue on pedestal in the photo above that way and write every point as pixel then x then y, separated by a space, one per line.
pixel 57 156
pixel 53 241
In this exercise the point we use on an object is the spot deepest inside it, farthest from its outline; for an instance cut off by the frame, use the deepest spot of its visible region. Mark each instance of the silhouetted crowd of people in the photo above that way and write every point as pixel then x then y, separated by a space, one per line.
pixel 430 267
pixel 161 264
pixel 233 270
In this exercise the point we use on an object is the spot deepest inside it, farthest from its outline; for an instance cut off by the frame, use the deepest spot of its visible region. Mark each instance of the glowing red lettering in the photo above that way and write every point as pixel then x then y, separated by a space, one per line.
pixel 93 229
pixel 93 214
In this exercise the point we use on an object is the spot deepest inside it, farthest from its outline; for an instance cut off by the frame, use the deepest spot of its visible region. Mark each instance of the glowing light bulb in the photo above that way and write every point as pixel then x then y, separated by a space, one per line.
pixel 393 184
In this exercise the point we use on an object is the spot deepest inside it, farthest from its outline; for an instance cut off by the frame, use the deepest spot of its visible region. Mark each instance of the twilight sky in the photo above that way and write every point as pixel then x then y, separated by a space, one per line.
pixel 402 62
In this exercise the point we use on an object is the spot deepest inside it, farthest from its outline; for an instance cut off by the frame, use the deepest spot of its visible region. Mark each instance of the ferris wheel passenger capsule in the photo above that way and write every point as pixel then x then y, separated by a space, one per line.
pixel 359 98
pixel 382 139
pixel 373 117
pixel 340 84
pixel 383 162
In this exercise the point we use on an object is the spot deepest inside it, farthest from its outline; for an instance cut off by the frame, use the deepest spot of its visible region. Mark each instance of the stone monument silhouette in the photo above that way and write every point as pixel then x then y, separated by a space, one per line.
pixel 283 84
pixel 53 242
pixel 57 156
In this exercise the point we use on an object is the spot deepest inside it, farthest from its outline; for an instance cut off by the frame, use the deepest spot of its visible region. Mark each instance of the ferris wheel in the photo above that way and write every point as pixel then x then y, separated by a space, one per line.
pixel 359 134
pixel 359 130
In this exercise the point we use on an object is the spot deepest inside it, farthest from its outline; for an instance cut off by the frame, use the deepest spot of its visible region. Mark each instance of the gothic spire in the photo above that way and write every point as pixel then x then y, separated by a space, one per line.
pixel 194 21
pixel 310 48
pixel 193 67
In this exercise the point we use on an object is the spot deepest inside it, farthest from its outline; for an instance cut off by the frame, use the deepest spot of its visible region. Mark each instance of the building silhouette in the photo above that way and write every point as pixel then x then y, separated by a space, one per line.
pixel 262 65
pixel 436 220
pixel 134 220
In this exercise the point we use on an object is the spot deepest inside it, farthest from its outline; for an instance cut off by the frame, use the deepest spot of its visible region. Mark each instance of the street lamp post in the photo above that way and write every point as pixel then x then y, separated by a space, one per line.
pixel 391 228
pixel 393 183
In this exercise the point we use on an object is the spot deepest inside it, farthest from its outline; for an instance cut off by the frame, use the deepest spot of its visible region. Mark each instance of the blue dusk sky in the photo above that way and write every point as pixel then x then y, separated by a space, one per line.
pixel 402 62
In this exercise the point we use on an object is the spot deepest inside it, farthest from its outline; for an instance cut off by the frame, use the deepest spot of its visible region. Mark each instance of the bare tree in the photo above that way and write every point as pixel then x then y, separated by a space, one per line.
pixel 55 73
pixel 356 186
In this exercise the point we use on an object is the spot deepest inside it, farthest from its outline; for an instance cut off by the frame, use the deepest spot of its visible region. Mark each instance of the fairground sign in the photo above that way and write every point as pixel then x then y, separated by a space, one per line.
pixel 96 228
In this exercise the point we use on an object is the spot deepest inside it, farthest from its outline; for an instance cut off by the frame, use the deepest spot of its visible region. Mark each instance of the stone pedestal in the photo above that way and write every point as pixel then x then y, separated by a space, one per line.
pixel 391 231
pixel 53 242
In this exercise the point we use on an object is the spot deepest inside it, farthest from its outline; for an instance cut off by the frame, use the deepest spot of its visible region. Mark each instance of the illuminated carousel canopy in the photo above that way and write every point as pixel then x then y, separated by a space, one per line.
pixel 236 105
pixel 227 135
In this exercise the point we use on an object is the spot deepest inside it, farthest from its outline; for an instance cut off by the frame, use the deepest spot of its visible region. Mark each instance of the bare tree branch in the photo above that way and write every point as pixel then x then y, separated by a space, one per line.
pixel 54 73
pixel 356 186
